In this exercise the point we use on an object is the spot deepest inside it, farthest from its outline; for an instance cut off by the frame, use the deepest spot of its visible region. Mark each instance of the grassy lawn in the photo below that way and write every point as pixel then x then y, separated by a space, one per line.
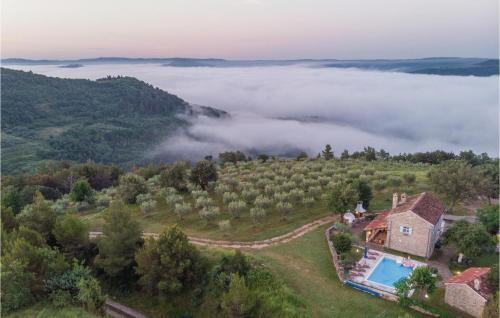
pixel 306 267
pixel 41 310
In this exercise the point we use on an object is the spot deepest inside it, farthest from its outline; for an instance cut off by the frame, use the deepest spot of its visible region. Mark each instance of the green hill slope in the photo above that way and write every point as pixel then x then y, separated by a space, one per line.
pixel 110 120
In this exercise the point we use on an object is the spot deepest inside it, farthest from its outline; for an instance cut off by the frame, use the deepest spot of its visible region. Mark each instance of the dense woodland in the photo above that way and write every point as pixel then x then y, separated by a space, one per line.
pixel 111 120
pixel 48 256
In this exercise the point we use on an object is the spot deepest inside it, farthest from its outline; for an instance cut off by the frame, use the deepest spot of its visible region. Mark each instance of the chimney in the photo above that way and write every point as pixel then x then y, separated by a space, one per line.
pixel 477 284
pixel 394 200
pixel 403 197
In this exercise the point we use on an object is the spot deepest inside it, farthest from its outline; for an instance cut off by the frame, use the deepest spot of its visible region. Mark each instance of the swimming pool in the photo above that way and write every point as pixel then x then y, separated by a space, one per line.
pixel 388 271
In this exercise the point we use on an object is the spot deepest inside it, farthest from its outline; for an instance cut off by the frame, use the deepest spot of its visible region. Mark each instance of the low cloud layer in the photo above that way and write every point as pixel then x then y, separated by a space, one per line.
pixel 278 109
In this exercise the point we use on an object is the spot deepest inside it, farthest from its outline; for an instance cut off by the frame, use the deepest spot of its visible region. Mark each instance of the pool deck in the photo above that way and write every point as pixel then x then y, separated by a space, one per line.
pixel 365 266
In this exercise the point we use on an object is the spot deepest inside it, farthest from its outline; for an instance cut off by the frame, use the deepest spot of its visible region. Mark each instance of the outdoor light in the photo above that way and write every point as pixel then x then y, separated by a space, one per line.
pixel 426 296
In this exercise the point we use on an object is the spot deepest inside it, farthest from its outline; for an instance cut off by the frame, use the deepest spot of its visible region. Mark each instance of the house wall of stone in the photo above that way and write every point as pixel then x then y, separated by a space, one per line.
pixel 437 231
pixel 463 297
pixel 419 242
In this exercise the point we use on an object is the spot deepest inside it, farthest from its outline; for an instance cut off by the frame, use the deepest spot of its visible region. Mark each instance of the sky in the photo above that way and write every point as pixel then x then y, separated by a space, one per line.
pixel 249 29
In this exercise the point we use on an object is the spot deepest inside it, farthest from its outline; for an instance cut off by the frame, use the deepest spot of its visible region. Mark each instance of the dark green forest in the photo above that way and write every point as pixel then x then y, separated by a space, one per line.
pixel 110 120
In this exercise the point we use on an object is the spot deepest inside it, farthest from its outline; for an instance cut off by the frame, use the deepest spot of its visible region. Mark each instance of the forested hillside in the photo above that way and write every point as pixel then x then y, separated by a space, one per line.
pixel 111 120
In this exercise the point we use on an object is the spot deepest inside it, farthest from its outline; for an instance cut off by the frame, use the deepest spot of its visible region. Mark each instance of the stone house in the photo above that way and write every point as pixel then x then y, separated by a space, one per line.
pixel 413 224
pixel 468 291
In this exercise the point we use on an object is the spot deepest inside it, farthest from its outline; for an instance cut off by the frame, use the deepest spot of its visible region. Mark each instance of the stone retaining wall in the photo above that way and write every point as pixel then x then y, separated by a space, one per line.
pixel 335 256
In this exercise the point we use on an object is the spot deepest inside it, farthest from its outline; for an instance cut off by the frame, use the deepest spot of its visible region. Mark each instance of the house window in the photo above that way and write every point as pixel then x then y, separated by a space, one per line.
pixel 405 230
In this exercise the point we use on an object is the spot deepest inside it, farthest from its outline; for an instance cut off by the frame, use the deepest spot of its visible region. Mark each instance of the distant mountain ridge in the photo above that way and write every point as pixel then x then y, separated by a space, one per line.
pixel 434 65
pixel 110 120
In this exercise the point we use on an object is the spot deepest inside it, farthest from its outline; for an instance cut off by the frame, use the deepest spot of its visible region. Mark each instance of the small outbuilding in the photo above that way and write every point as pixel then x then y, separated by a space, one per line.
pixel 349 218
pixel 360 211
pixel 468 291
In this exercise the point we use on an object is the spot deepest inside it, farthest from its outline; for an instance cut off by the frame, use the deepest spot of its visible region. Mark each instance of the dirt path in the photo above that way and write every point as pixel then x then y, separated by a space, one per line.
pixel 251 244
pixel 116 310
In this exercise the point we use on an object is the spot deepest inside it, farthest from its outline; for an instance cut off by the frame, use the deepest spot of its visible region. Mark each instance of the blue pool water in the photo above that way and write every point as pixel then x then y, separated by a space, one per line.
pixel 388 271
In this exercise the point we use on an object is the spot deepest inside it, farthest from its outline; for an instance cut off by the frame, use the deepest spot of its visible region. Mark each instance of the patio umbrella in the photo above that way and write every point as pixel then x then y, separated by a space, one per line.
pixel 366 251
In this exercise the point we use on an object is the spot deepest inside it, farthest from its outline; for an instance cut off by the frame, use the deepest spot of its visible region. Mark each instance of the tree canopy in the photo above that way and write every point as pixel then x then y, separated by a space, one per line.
pixel 472 239
pixel 120 239
pixel 169 264
pixel 203 172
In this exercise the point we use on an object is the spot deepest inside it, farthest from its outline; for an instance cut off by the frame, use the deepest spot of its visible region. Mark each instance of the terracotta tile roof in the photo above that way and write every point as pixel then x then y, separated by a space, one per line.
pixel 469 275
pixel 424 204
pixel 379 221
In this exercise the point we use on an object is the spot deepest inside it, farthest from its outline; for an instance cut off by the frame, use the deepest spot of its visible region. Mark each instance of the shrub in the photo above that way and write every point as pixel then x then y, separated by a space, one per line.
pixel 209 213
pixel 296 195
pixel 289 185
pixel 173 199
pixel 314 191
pixel 143 198
pixel 297 178
pixel 380 185
pixel 281 197
pixel 103 200
pixel 269 190
pixel 182 209
pixel 369 171
pixel 232 183
pixel 395 181
pixel 61 205
pixel 222 188
pixel 82 191
pixel 488 215
pixel 353 174
pixel 308 202
pixel 82 206
pixel 90 295
pixel 236 208
pixel 262 183
pixel 204 202
pixel 250 194
pixel 199 193
pixel 263 202
pixel 239 300
pixel 148 206
pixel 60 298
pixel 257 214
pixel 284 208
pixel 492 278
pixel 229 197
pixel 323 181
pixel 409 178
pixel 131 185
pixel 224 225
pixel 16 291
pixel 169 190
pixel 342 242
pixel 63 288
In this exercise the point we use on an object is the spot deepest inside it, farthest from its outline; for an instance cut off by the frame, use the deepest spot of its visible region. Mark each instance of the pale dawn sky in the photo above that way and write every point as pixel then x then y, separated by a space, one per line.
pixel 250 29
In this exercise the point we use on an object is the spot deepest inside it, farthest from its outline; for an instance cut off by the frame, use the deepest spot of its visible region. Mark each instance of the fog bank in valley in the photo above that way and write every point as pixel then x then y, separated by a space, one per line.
pixel 286 108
